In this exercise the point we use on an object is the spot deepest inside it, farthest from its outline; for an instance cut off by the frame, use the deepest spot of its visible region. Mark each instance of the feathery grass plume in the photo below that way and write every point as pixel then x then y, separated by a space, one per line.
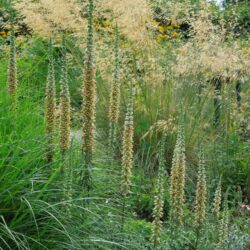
pixel 127 148
pixel 177 178
pixel 88 106
pixel 50 106
pixel 114 99
pixel 217 200
pixel 200 196
pixel 12 70
pixel 64 126
pixel 159 199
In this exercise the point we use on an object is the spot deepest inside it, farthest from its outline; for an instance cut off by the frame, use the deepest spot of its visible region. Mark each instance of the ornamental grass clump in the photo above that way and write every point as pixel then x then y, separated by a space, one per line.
pixel 159 199
pixel 50 107
pixel 201 193
pixel 114 99
pixel 177 178
pixel 12 69
pixel 127 148
pixel 89 99
pixel 217 200
pixel 64 126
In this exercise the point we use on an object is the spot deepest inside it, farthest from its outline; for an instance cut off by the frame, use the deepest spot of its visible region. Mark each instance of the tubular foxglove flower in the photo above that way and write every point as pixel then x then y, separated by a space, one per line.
pixel 200 195
pixel 159 199
pixel 127 148
pixel 89 99
pixel 177 178
pixel 50 107
pixel 217 200
pixel 114 99
pixel 223 227
pixel 64 126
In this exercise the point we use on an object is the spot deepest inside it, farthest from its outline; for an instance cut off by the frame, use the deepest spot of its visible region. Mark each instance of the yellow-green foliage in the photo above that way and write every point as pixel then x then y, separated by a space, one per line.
pixel 50 107
pixel 12 71
pixel 88 106
pixel 64 127
pixel 127 149
pixel 217 200
pixel 177 178
pixel 201 193
pixel 158 200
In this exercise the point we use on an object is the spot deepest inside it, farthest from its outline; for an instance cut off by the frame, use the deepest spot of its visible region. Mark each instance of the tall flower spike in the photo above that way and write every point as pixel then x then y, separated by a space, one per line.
pixel 200 196
pixel 12 70
pixel 114 100
pixel 217 200
pixel 223 227
pixel 64 126
pixel 127 148
pixel 178 172
pixel 159 199
pixel 89 99
pixel 50 107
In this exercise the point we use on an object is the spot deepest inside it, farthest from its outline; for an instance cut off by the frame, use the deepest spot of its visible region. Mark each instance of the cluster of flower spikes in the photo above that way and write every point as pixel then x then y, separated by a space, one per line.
pixel 201 192
pixel 114 102
pixel 127 148
pixel 177 178
pixel 50 106
pixel 88 104
pixel 159 198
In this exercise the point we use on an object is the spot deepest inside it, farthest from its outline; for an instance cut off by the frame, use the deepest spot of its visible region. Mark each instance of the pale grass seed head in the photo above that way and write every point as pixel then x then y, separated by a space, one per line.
pixel 50 17
pixel 209 52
